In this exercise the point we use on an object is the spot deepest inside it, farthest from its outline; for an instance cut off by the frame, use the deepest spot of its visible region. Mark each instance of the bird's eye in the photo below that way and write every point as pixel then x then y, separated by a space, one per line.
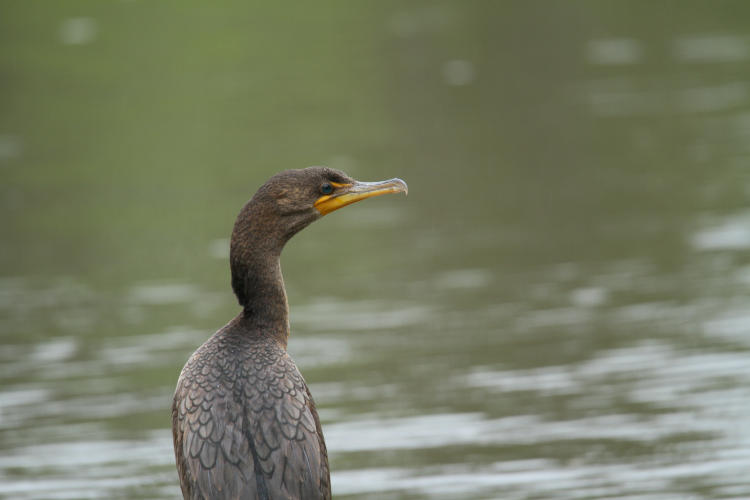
pixel 326 188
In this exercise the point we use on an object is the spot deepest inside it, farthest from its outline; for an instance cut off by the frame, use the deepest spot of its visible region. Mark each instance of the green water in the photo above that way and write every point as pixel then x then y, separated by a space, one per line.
pixel 559 308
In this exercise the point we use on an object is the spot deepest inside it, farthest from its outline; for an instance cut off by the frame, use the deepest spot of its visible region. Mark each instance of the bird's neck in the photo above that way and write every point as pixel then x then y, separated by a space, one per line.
pixel 263 296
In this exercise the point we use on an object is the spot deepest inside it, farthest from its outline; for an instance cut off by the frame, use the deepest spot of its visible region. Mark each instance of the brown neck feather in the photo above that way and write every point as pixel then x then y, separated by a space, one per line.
pixel 256 274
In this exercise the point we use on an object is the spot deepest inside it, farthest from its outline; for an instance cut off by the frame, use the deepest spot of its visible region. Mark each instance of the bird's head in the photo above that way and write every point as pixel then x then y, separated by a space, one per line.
pixel 287 203
pixel 291 200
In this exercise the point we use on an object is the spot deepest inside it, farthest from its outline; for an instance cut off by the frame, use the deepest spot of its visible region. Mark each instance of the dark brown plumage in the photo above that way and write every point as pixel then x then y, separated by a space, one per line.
pixel 243 420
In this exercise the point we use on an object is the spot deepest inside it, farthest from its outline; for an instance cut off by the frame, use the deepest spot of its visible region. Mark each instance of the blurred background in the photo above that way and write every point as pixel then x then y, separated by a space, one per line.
pixel 559 309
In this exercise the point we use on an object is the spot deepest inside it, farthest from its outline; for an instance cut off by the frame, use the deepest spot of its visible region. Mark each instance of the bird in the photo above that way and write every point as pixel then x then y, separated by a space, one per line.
pixel 244 423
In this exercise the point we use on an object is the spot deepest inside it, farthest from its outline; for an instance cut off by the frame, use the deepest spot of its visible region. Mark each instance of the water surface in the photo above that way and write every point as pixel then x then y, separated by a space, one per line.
pixel 559 309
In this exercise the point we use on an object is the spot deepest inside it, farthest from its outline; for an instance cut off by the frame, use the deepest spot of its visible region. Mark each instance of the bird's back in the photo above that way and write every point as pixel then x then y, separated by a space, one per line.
pixel 245 425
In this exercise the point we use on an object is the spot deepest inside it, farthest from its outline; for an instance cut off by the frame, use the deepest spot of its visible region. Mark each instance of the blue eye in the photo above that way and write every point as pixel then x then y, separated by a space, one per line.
pixel 326 188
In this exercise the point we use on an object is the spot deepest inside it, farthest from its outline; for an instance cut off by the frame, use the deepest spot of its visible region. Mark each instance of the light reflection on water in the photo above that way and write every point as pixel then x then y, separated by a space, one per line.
pixel 691 400
pixel 694 399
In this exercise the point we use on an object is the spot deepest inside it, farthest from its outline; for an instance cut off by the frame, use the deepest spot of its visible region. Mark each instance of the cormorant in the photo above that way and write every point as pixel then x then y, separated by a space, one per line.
pixel 243 420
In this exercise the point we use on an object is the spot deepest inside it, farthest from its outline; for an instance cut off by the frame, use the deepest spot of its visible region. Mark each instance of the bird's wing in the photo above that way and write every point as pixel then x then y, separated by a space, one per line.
pixel 247 429
pixel 212 452
pixel 284 427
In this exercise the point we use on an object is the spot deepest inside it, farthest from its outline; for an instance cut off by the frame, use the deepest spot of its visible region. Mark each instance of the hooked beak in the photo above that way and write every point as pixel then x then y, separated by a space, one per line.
pixel 346 194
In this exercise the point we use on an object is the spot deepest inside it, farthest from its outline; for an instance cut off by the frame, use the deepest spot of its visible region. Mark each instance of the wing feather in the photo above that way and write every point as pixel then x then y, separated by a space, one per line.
pixel 245 426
